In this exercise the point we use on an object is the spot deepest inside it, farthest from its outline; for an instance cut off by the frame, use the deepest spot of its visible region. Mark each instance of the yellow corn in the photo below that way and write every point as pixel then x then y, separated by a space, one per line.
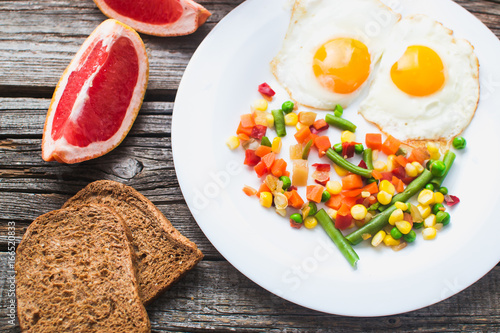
pixel 334 187
pixel 233 142
pixel 418 166
pixel 429 233
pixel 270 120
pixel 391 162
pixel 347 136
pixel 411 171
pixel 365 194
pixel 424 210
pixel 379 237
pixel 426 197
pixel 366 236
pixel 340 171
pixel 260 105
pixel 384 198
pixel 266 199
pixel 291 119
pixel 404 227
pixel 379 166
pixel 430 221
pixel 438 197
pixel 299 126
pixel 358 212
pixel 310 222
pixel 389 241
pixel 396 216
pixel 387 186
pixel 434 151
pixel 276 145
pixel 332 213
pixel 401 205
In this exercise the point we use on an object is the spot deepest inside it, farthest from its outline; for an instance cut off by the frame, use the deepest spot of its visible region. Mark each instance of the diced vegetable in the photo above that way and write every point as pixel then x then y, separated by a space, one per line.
pixel 278 168
pixel 373 141
pixel 391 145
pixel 307 149
pixel 296 152
pixel 251 159
pixel 340 123
pixel 250 191
pixel 294 199
pixel 262 151
pixel 279 122
pixel 323 144
pixel 314 193
pixel 261 169
pixel 340 161
pixel 266 90
pixel 351 182
pixel 303 135
pixel 300 173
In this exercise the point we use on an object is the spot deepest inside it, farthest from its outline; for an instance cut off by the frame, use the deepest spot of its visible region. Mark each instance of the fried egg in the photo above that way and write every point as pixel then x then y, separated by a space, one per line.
pixel 427 85
pixel 331 48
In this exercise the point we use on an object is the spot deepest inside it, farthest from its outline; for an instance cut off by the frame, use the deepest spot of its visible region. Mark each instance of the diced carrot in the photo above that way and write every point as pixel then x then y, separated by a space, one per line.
pixel 243 137
pixel 250 191
pixel 319 124
pixel 314 193
pixel 352 193
pixel 391 145
pixel 419 155
pixel 263 188
pixel 401 160
pixel 377 174
pixel 351 182
pixel 269 160
pixel 312 137
pixel 244 130
pixel 398 184
pixel 262 151
pixel 247 120
pixel 278 168
pixel 373 140
pixel 294 199
pixel 344 210
pixel 286 173
pixel 302 135
pixel 334 202
pixel 349 201
pixel 261 169
pixel 372 188
pixel 322 143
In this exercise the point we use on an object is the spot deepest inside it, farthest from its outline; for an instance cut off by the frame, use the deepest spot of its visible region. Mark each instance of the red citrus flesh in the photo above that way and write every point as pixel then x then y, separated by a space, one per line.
pixel 152 11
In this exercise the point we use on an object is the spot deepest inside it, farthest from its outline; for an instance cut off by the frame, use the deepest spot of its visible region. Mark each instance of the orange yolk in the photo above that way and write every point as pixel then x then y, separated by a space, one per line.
pixel 419 72
pixel 342 65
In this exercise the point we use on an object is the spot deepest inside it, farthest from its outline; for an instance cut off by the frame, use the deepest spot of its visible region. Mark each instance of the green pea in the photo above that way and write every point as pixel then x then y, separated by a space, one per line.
pixel 297 218
pixel 286 182
pixel 418 225
pixel 430 187
pixel 338 111
pixel 459 142
pixel 443 190
pixel 438 168
pixel 410 237
pixel 443 217
pixel 437 208
pixel 266 142
pixel 287 107
pixel 313 209
pixel 395 233
pixel 358 148
pixel 325 196
pixel 338 148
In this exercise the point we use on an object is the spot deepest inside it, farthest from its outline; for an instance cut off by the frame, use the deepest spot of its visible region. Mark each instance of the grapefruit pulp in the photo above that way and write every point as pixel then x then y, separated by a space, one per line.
pixel 98 96
pixel 157 17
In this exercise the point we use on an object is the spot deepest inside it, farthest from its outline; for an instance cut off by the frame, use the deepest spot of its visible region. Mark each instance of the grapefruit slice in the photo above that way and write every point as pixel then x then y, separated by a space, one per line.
pixel 98 96
pixel 157 17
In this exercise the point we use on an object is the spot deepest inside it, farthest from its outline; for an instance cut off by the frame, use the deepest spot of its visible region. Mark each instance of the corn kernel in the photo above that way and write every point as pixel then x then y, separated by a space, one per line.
pixel 411 171
pixel 266 199
pixel 291 119
pixel 384 198
pixel 270 120
pixel 276 145
pixel 438 226
pixel 379 237
pixel 379 166
pixel 299 126
pixel 429 233
pixel 365 194
pixel 389 241
pixel 438 197
pixel 233 142
pixel 404 227
pixel 334 187
pixel 358 212
pixel 366 236
pixel 310 222
pixel 340 171
pixel 430 221
pixel 347 136
pixel 260 105
pixel 391 162
pixel 434 151
pixel 401 205
pixel 375 155
pixel 424 210
pixel 387 186
pixel 332 213
pixel 426 197
pixel 418 166
pixel 396 216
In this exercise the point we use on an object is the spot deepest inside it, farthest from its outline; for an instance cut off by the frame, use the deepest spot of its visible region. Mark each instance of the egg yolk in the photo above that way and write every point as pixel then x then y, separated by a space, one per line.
pixel 419 72
pixel 342 65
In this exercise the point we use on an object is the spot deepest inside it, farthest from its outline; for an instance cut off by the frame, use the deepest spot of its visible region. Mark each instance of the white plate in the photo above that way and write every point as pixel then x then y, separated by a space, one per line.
pixel 303 266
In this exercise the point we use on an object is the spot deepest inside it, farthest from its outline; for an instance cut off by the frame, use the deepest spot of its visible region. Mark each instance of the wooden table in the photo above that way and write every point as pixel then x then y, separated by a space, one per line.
pixel 38 40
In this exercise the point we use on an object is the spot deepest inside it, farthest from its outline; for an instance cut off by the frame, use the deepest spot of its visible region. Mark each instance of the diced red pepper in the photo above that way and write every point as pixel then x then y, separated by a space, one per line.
pixel 348 149
pixel 343 222
pixel 362 164
pixel 261 169
pixel 322 166
pixel 266 90
pixel 400 173
pixel 250 158
pixel 295 225
pixel 451 200
pixel 258 131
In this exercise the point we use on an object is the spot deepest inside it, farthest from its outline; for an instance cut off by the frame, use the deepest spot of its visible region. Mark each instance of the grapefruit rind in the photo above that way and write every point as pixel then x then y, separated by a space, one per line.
pixel 60 150
pixel 193 16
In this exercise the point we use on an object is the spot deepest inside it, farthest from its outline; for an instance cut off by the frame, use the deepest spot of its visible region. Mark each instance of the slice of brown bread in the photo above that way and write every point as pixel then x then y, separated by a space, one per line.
pixel 75 273
pixel 163 254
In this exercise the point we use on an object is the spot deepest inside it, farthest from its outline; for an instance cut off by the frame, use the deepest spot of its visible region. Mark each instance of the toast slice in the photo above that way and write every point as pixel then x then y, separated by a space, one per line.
pixel 75 273
pixel 163 254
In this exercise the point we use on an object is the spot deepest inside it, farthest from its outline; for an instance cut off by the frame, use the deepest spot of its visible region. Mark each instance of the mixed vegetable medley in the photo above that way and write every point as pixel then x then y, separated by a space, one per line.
pixel 371 199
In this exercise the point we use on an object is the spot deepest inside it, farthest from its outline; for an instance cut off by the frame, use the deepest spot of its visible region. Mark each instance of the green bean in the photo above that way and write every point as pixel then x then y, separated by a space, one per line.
pixel 343 163
pixel 448 160
pixel 337 237
pixel 368 158
pixel 279 122
pixel 341 123
pixel 307 149
pixel 266 142
pixel 380 221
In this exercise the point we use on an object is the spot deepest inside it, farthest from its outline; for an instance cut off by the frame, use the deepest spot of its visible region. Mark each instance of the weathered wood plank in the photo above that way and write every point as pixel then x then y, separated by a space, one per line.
pixel 216 297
